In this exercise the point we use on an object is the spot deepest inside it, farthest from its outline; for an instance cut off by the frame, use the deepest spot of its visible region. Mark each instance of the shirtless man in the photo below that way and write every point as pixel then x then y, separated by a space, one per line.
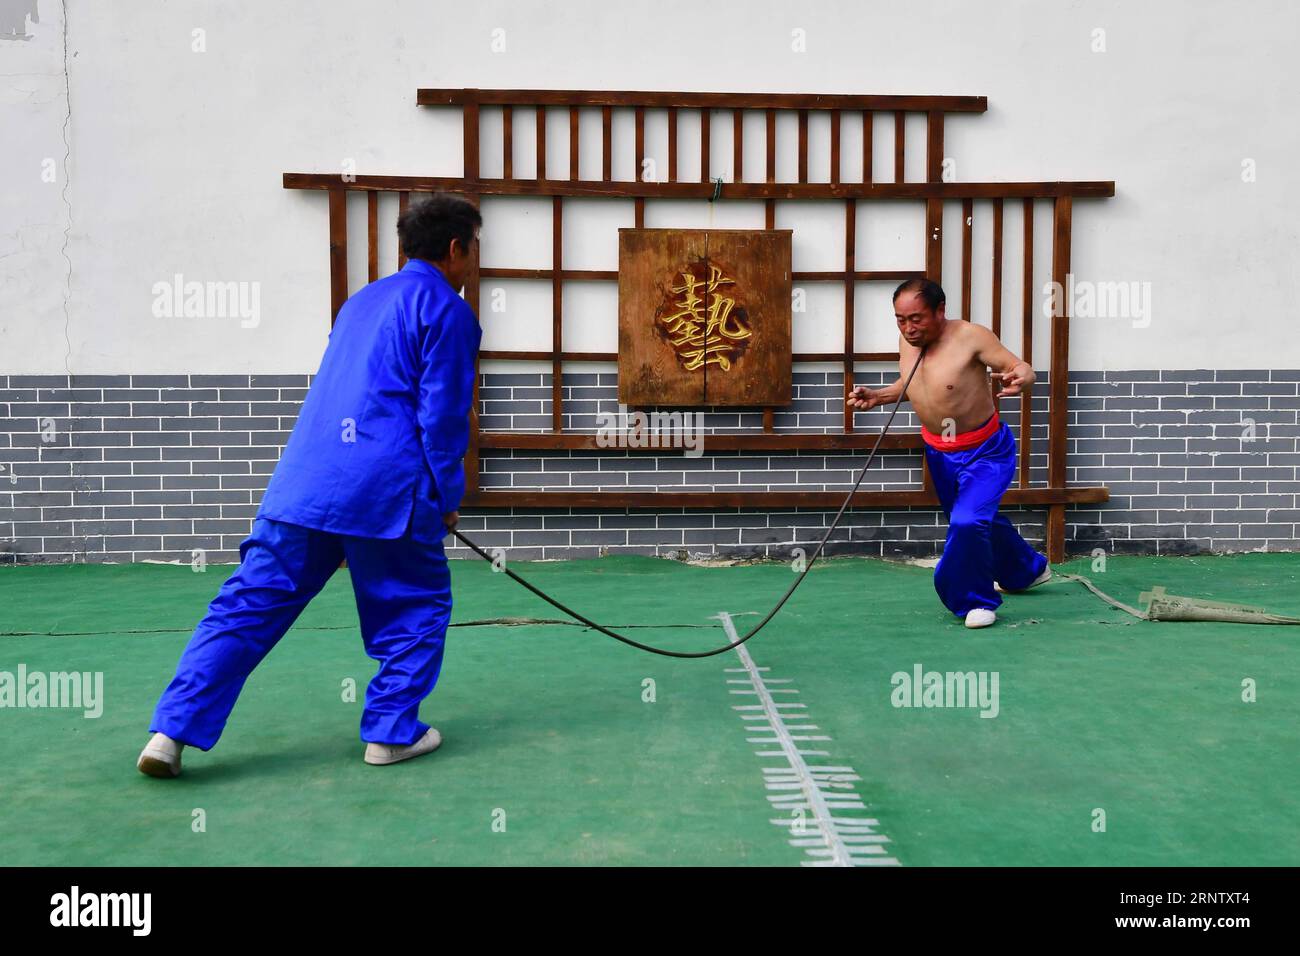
pixel 971 453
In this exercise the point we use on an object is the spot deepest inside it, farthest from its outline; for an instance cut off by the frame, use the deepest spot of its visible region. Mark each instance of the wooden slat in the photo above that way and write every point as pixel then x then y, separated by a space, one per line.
pixel 640 142
pixel 700 190
pixel 771 146
pixel 574 151
pixel 967 237
pixel 705 125
pixel 499 272
pixel 403 203
pixel 508 142
pixel 868 126
pixel 521 355
pixel 803 146
pixel 546 356
pixel 541 142
pixel 607 146
pixel 1027 338
pixel 672 145
pixel 656 500
pixel 473 288
pixel 470 141
pixel 611 275
pixel 638 205
pixel 746 441
pixel 997 268
pixel 472 285
pixel 934 240
pixel 900 140
pixel 557 325
pixel 1059 386
pixel 659 98
pixel 934 146
pixel 338 216
pixel 372 236
pixel 850 260
pixel 835 146
pixel 737 146
pixel 996 307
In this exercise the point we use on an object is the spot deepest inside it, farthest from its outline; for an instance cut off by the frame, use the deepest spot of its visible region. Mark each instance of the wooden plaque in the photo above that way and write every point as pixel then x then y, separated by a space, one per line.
pixel 704 317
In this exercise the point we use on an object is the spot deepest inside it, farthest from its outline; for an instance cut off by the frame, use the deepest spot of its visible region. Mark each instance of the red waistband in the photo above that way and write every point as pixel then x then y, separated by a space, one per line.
pixel 965 440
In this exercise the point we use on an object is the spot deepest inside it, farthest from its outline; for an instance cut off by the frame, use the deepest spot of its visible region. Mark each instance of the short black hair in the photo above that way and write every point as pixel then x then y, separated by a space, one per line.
pixel 426 229
pixel 931 293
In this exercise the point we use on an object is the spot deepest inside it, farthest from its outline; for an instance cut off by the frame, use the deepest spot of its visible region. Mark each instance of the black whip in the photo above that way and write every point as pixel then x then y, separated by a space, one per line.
pixel 770 614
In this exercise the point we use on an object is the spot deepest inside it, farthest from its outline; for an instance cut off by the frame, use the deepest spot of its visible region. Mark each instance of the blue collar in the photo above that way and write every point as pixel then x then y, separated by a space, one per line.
pixel 427 268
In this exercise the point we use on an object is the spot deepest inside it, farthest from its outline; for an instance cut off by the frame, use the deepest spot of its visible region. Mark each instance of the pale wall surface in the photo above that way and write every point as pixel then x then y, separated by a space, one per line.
pixel 176 155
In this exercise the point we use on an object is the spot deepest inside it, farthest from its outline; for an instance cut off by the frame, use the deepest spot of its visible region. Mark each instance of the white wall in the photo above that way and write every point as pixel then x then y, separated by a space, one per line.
pixel 176 159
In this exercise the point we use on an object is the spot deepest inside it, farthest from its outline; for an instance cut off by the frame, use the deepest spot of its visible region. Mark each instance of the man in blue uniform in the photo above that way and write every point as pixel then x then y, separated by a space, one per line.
pixel 372 473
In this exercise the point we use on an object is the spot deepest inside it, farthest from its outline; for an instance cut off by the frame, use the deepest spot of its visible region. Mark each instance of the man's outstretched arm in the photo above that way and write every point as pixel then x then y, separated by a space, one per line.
pixel 1014 373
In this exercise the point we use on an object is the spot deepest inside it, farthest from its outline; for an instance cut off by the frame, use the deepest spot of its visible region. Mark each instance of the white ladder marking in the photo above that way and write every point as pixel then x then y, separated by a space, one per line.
pixel 827 839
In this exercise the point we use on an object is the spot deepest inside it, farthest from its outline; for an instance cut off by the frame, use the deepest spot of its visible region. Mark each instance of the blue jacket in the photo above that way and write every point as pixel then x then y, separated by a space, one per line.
pixel 379 443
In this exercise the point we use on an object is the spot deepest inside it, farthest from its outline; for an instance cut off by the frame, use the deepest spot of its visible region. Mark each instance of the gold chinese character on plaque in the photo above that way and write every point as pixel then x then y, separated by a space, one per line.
pixel 714 337
pixel 704 317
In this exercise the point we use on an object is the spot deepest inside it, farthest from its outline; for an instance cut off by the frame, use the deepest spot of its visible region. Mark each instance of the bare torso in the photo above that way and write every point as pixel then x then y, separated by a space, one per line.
pixel 951 382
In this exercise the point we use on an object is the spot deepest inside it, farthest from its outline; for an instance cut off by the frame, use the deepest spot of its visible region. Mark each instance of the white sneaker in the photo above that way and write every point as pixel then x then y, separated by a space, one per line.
pixel 380 754
pixel 980 617
pixel 161 757
pixel 1045 576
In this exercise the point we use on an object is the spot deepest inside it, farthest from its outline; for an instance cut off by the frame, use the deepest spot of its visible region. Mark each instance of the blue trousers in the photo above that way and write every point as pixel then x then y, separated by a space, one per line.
pixel 403 595
pixel 982 546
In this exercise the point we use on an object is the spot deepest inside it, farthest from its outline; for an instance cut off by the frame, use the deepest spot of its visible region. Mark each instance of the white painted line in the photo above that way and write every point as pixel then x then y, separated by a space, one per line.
pixel 835 847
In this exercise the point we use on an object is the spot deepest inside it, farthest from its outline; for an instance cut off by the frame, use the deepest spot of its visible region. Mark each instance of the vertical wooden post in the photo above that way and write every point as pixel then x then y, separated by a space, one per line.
pixel 338 213
pixel 934 239
pixel 850 262
pixel 638 204
pixel 737 146
pixel 508 142
pixel 372 235
pixel 934 146
pixel 607 144
pixel 769 206
pixel 803 146
pixel 541 144
pixel 403 202
pixel 835 146
pixel 706 125
pixel 1060 386
pixel 868 124
pixel 900 140
pixel 471 162
pixel 573 143
pixel 1027 336
pixel 672 144
pixel 967 236
pixel 557 305
pixel 995 315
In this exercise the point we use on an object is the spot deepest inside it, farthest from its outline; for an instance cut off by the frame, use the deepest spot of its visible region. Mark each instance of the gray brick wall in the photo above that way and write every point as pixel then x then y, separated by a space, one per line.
pixel 153 467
